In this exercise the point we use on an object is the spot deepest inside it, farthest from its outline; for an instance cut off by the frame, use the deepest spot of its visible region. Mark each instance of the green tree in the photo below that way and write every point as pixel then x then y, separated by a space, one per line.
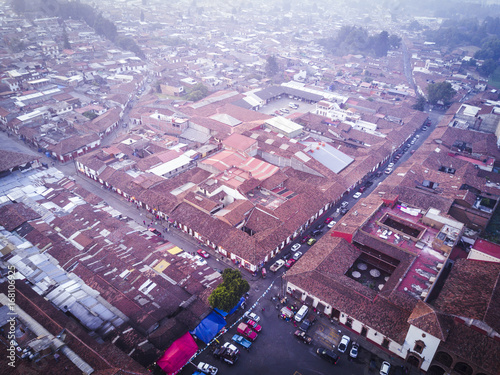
pixel 381 44
pixel 420 104
pixel 228 293
pixel 66 43
pixel 272 67
pixel 89 114
pixel 394 41
pixel 487 67
pixel 441 91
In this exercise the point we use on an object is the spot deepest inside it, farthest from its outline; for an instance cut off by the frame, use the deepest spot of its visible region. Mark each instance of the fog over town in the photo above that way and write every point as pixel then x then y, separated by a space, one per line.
pixel 250 187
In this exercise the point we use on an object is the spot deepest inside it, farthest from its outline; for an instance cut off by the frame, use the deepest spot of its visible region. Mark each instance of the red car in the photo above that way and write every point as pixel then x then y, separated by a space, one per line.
pixel 289 263
pixel 328 219
pixel 203 253
pixel 256 327
pixel 305 239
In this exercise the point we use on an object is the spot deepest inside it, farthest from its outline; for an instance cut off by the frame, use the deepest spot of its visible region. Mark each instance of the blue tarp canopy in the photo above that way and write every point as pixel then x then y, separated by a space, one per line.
pixel 223 313
pixel 209 327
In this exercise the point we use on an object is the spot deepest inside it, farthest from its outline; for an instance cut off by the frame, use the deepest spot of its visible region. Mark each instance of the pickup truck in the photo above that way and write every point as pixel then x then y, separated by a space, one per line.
pixel 245 330
pixel 307 322
pixel 242 341
pixel 277 265
pixel 302 336
pixel 227 353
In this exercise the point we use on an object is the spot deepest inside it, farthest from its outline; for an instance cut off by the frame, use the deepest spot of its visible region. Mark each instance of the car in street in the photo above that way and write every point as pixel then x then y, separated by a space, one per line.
pixel 246 331
pixel 424 128
pixel 344 204
pixel 385 368
pixel 354 350
pixel 305 239
pixel 328 220
pixel 242 341
pixel 328 355
pixel 253 324
pixel 320 226
pixel 388 171
pixel 311 241
pixel 203 253
pixel 344 342
pixel 297 255
pixel 316 233
pixel 295 247
pixel 290 262
pixel 390 165
pixel 331 224
pixel 207 369
pixel 368 183
pixel 277 265
pixel 284 110
pixel 155 231
pixel 357 195
pixel 252 316
pixel 306 339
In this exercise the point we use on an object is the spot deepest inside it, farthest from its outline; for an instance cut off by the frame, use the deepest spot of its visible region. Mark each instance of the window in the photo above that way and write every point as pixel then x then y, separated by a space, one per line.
pixel 385 343
pixel 419 346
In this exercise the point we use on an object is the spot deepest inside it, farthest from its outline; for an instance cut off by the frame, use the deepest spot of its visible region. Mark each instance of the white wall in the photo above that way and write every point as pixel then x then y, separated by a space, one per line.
pixel 431 344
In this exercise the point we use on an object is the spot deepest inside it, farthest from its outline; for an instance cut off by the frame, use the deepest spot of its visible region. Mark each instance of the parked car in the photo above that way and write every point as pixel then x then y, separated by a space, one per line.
pixel 331 224
pixel 297 255
pixel 384 369
pixel 253 316
pixel 390 165
pixel 242 341
pixel 362 189
pixel 328 355
pixel 286 256
pixel 311 241
pixel 388 171
pixel 344 342
pixel 315 233
pixel 354 350
pixel 368 183
pixel 305 239
pixel 207 369
pixel 344 204
pixel 320 226
pixel 303 337
pixel 307 322
pixel 256 327
pixel 290 262
pixel 246 331
pixel 295 247
pixel 155 231
pixel 328 220
pixel 227 353
pixel 277 265
pixel 203 253
pixel 357 195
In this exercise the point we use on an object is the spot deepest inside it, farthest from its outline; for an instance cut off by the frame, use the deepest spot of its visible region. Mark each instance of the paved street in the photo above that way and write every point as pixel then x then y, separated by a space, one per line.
pixel 276 351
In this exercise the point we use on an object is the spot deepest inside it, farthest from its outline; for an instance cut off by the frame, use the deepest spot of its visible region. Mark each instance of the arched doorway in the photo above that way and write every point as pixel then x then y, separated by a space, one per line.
pixel 435 370
pixel 413 361
pixel 463 368
pixel 443 358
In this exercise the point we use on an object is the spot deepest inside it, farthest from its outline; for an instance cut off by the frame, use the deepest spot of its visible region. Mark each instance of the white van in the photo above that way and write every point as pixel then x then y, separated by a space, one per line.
pixel 301 314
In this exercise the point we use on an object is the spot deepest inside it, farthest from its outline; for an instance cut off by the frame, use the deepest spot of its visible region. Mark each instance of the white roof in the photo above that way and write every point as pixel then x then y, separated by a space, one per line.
pixel 171 165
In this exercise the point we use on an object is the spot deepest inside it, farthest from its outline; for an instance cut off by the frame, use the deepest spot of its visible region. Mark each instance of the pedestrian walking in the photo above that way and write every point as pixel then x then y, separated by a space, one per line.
pixel 144 221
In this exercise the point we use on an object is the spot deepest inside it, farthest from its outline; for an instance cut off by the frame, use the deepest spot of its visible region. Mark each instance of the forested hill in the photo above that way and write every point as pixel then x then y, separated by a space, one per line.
pixel 356 40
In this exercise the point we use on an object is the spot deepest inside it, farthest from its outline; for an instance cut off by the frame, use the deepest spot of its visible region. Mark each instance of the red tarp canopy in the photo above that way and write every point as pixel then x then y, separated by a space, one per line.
pixel 178 354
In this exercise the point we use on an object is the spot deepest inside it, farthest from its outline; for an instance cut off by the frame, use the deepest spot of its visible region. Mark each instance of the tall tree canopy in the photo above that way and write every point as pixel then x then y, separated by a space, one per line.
pixel 441 91
pixel 227 294
pixel 272 67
